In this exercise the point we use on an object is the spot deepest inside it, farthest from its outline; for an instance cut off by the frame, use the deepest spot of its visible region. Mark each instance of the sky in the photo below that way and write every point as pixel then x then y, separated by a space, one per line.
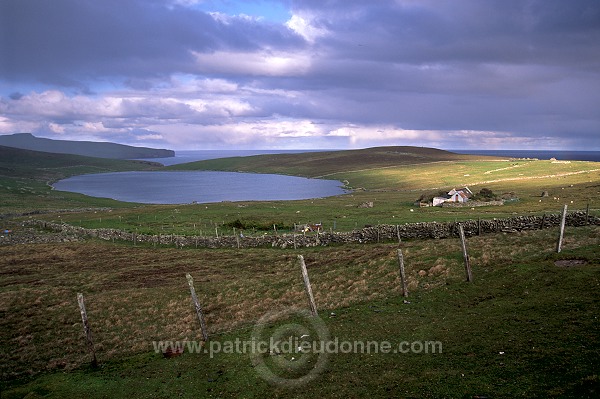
pixel 303 74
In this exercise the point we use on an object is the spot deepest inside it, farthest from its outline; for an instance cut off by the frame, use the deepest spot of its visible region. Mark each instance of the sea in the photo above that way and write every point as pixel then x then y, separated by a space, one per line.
pixel 539 154
pixel 200 155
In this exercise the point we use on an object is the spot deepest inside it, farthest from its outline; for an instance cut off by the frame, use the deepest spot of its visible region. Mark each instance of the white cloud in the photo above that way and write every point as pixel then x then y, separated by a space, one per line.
pixel 187 3
pixel 220 107
pixel 305 27
pixel 149 137
pixel 190 84
pixel 56 128
pixel 56 104
pixel 505 140
pixel 364 134
pixel 289 133
pixel 227 19
pixel 9 126
pixel 262 63
pixel 94 127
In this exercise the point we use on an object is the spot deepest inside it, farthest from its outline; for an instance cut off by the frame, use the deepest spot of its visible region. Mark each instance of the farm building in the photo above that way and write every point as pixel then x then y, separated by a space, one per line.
pixel 454 195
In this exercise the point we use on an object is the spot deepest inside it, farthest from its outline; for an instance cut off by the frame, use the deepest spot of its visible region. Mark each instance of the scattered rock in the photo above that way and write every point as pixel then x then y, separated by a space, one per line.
pixel 172 352
pixel 570 262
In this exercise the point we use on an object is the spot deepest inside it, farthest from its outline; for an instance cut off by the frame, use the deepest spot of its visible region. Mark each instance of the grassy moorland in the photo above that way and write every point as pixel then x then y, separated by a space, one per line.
pixel 318 164
pixel 524 327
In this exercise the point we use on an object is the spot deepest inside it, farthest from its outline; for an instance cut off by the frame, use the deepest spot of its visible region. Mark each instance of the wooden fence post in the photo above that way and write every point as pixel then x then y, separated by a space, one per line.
pixel 402 274
pixel 587 214
pixel 562 229
pixel 197 307
pixel 398 234
pixel 86 329
pixel 463 241
pixel 309 293
pixel 543 222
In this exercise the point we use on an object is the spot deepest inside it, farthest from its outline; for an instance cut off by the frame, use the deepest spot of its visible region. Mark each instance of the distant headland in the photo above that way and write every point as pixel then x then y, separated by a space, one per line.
pixel 27 141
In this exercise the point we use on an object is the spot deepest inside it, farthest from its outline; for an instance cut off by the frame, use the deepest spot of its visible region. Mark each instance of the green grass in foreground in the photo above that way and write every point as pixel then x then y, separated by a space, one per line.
pixel 524 328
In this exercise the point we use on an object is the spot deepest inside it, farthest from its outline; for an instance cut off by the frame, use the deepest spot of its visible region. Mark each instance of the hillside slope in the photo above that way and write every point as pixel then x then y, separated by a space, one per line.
pixel 319 164
pixel 27 141
pixel 44 166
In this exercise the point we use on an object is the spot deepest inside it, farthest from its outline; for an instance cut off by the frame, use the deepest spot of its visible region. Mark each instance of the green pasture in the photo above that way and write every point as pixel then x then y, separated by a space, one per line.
pixel 524 327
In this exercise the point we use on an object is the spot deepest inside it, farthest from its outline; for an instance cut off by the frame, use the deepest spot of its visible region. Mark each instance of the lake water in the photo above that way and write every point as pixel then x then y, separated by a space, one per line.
pixel 203 187
pixel 201 155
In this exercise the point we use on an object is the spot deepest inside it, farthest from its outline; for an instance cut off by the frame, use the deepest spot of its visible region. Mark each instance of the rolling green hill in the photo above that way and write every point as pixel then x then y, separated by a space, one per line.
pixel 44 166
pixel 25 174
pixel 322 164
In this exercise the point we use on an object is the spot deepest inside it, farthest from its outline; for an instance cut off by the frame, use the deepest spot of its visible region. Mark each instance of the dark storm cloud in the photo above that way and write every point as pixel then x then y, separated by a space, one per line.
pixel 455 32
pixel 458 30
pixel 61 41
pixel 529 66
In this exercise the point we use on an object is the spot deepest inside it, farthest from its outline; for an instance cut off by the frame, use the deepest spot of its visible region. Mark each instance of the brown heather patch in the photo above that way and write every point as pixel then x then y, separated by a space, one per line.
pixel 138 295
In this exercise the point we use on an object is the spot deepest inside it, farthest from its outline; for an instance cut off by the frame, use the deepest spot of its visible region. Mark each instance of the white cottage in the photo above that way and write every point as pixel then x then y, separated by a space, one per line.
pixel 454 195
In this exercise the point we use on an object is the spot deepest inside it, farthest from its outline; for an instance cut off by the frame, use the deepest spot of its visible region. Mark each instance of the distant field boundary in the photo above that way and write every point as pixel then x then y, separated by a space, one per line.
pixel 49 211
pixel 374 234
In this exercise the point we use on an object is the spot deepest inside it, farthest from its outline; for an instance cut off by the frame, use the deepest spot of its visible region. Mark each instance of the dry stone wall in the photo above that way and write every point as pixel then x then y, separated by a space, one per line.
pixel 380 233
pixel 471 204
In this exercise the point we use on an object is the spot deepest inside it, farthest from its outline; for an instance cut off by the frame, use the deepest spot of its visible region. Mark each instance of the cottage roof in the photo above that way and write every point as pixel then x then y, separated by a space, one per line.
pixel 464 190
